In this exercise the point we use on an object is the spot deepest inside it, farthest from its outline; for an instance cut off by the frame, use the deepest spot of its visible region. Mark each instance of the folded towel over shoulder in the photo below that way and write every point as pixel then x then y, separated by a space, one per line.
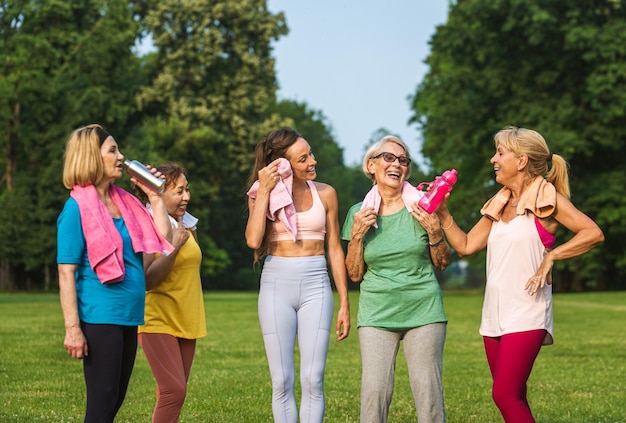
pixel 539 198
pixel 410 194
pixel 281 205
pixel 104 243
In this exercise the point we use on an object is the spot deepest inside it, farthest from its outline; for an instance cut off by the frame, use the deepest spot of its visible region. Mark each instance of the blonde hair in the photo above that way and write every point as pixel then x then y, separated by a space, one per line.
pixel 83 164
pixel 532 143
pixel 375 149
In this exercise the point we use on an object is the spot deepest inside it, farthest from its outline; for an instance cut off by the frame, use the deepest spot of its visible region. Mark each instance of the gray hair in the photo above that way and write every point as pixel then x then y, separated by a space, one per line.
pixel 375 149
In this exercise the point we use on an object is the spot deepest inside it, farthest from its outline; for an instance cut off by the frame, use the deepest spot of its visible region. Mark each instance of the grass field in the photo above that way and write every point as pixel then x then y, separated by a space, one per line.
pixel 581 378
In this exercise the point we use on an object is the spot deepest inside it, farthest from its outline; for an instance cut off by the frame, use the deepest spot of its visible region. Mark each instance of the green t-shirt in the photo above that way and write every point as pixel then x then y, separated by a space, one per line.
pixel 399 290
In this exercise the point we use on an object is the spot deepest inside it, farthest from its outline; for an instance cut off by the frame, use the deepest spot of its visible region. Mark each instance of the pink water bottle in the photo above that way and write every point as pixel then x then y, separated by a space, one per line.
pixel 437 191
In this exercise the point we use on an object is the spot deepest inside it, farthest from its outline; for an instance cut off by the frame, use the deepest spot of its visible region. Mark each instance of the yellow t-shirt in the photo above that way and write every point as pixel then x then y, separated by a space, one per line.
pixel 176 306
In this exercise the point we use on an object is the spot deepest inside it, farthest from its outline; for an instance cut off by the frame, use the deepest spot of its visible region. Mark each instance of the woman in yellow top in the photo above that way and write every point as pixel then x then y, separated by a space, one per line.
pixel 174 315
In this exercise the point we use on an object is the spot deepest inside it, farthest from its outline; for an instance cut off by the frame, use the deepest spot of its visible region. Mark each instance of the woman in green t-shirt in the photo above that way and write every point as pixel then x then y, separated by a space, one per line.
pixel 394 252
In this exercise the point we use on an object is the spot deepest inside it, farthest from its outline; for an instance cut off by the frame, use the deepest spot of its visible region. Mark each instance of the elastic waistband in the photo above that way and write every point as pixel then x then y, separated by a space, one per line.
pixel 301 266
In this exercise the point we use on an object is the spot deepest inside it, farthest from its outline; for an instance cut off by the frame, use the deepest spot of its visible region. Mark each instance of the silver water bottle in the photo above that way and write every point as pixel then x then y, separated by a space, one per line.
pixel 138 170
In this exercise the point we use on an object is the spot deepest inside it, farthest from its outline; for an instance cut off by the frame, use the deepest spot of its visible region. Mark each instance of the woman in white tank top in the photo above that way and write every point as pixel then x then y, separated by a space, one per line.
pixel 517 228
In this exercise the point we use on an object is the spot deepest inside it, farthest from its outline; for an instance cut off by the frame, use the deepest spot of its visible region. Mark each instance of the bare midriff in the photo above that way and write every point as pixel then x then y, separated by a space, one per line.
pixel 300 248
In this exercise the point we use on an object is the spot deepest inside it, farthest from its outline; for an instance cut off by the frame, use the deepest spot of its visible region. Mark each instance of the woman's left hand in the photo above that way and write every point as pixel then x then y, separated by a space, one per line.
pixel 542 276
pixel 430 222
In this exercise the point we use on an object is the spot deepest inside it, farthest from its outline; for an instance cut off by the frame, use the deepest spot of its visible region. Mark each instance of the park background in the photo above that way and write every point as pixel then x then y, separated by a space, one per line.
pixel 202 81
pixel 206 90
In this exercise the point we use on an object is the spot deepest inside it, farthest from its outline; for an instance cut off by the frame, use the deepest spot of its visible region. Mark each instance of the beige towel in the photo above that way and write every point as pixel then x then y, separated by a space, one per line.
pixel 539 198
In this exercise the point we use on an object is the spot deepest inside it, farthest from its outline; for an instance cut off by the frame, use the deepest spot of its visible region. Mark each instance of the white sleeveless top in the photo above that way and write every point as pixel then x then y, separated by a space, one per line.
pixel 514 253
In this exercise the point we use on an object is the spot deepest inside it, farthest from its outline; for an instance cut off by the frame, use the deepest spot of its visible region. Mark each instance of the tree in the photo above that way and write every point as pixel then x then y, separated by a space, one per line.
pixel 557 67
pixel 212 82
pixel 63 64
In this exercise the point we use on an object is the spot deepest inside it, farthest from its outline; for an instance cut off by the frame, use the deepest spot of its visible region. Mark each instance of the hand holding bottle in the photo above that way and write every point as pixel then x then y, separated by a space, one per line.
pixel 437 190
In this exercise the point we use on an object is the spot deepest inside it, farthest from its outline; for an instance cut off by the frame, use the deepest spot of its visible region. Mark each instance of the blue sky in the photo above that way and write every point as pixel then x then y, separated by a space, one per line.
pixel 357 61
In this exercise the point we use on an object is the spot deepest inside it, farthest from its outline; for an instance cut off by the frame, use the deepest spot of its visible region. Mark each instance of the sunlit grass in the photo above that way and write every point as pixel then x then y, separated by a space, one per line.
pixel 582 378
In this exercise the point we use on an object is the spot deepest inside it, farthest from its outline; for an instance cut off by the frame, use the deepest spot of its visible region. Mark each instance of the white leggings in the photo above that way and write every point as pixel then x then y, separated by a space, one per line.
pixel 296 299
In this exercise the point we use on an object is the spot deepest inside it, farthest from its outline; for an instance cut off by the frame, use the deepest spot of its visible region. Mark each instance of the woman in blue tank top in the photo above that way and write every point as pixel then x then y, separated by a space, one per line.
pixel 105 240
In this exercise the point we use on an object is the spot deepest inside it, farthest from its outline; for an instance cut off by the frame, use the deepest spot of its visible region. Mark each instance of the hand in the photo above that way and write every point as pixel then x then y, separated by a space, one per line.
pixel 269 176
pixel 150 193
pixel 180 235
pixel 75 343
pixel 363 220
pixel 342 329
pixel 442 210
pixel 430 222
pixel 542 276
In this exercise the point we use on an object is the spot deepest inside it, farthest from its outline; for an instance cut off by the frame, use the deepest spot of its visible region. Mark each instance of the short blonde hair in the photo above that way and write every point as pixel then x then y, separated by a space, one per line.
pixel 83 164
pixel 376 148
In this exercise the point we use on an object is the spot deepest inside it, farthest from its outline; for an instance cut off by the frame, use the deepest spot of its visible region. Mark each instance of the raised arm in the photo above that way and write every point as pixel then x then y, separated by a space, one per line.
pixel 157 268
pixel 355 263
pixel 257 220
pixel 464 244
pixel 438 247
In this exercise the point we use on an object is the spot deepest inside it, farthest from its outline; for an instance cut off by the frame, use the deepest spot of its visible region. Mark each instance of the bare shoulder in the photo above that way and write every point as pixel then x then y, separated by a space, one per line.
pixel 327 194
pixel 324 189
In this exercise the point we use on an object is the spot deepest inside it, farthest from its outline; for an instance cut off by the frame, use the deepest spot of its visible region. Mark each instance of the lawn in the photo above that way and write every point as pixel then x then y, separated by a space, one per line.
pixel 581 378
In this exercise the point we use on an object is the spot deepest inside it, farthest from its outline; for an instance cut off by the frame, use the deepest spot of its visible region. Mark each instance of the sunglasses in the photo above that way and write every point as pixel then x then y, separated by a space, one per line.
pixel 390 158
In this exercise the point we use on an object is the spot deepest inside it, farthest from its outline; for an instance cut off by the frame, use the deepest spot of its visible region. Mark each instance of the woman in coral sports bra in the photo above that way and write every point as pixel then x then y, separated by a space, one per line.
pixel 517 228
pixel 293 226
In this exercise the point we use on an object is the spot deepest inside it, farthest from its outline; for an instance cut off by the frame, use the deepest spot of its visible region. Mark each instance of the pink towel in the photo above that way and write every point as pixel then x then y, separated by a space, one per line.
pixel 104 243
pixel 539 198
pixel 410 194
pixel 281 205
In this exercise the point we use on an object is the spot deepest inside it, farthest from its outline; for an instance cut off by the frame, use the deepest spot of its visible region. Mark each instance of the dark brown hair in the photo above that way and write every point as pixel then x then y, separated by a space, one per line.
pixel 268 149
pixel 171 171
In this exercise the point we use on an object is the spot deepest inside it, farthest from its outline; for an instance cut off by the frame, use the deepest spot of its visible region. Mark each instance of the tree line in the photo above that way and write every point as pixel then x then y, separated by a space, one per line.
pixel 207 93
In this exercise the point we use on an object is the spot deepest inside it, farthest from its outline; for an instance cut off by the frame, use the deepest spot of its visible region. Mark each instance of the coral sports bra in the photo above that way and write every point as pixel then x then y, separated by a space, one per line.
pixel 311 224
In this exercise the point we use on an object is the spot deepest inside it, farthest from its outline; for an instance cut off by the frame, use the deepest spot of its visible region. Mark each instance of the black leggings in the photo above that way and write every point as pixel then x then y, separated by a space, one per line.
pixel 112 350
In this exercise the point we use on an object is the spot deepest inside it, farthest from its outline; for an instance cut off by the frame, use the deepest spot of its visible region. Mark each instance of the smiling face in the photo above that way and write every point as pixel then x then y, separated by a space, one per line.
pixel 391 174
pixel 302 160
pixel 176 197
pixel 506 165
pixel 112 160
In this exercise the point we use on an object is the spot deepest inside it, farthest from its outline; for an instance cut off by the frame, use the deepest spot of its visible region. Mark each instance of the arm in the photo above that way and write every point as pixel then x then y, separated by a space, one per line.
pixel 355 263
pixel 439 248
pixel 464 244
pixel 336 259
pixel 257 220
pixel 587 235
pixel 160 216
pixel 156 269
pixel 159 211
pixel 75 343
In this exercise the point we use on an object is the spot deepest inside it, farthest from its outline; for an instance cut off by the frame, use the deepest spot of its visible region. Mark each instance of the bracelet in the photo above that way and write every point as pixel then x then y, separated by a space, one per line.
pixel 451 223
pixel 434 244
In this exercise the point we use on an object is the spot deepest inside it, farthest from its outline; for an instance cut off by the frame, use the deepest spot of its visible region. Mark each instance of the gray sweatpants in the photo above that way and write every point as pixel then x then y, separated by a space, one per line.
pixel 296 299
pixel 423 349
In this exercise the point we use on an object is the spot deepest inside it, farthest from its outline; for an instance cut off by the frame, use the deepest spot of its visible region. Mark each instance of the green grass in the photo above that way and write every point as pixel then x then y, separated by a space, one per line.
pixel 582 378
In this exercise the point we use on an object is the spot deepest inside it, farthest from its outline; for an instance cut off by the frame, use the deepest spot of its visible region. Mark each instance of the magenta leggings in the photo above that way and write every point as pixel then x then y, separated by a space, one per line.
pixel 511 358
pixel 170 359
